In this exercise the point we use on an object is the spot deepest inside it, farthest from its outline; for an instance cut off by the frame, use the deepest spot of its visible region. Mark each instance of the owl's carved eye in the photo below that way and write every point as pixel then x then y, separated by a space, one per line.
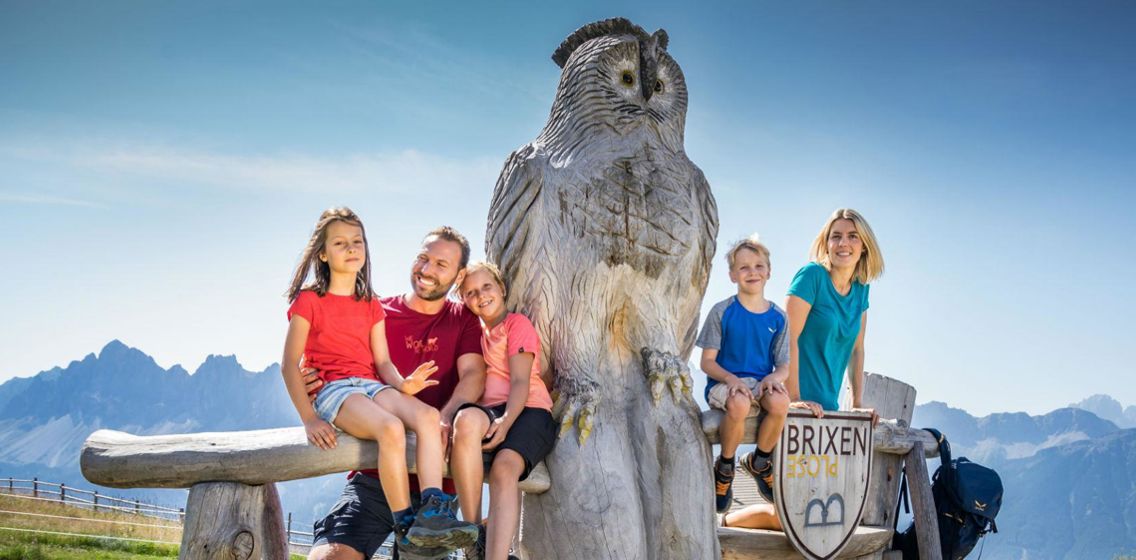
pixel 659 86
pixel 628 78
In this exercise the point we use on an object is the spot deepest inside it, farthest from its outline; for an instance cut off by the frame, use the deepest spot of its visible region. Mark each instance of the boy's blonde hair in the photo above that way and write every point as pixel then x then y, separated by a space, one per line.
pixel 753 244
pixel 489 267
pixel 871 264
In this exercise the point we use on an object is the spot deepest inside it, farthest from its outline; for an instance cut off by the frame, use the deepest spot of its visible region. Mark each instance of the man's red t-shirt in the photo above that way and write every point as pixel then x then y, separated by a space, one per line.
pixel 339 340
pixel 414 338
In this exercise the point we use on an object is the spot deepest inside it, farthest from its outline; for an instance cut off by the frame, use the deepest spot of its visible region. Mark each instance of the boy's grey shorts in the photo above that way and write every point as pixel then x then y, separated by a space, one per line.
pixel 720 392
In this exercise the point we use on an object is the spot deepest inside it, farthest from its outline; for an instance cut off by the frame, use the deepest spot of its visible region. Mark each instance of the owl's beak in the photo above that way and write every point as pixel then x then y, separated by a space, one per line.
pixel 648 66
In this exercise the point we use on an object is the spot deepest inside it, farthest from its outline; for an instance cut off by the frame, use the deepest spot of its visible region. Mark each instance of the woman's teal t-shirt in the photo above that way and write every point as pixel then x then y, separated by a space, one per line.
pixel 830 332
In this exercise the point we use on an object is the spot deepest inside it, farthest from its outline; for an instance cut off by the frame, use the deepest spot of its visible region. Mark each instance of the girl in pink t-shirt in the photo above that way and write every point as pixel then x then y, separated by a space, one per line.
pixel 512 423
pixel 336 326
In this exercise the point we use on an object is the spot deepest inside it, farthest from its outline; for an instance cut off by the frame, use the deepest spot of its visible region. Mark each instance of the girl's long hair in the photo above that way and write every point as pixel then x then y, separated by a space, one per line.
pixel 321 272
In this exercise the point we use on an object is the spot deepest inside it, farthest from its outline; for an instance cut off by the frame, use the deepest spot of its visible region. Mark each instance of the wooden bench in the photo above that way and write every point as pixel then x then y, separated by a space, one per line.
pixel 233 510
pixel 892 442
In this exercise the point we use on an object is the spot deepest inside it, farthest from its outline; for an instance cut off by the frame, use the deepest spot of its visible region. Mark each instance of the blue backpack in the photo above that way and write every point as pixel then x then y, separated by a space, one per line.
pixel 967 499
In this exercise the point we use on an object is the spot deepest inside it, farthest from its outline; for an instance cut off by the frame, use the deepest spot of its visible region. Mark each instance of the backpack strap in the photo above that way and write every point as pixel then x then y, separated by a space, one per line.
pixel 902 499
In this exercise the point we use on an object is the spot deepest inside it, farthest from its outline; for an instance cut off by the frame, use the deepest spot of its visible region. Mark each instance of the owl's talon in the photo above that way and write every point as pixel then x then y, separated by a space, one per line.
pixel 576 406
pixel 665 371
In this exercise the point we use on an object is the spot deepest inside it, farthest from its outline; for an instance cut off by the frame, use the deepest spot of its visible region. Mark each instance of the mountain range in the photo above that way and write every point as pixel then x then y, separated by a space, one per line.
pixel 1069 475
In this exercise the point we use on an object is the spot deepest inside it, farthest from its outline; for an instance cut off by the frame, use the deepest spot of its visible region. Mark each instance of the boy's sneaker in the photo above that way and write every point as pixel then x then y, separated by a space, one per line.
pixel 723 485
pixel 762 471
pixel 437 526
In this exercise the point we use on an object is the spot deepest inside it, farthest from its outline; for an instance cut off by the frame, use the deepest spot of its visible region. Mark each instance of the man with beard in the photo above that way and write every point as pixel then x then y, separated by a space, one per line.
pixel 420 326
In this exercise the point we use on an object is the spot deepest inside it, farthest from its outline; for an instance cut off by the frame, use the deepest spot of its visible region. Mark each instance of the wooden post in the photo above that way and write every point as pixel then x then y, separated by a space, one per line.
pixel 137 507
pixel 229 520
pixel 96 505
pixel 35 487
pixel 11 487
pixel 923 504
pixel 891 399
pixel 63 492
pixel 288 533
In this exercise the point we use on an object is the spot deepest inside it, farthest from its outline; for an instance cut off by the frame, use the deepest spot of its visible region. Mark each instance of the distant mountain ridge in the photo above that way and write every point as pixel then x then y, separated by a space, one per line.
pixel 1070 487
pixel 1109 409
pixel 45 419
pixel 1069 474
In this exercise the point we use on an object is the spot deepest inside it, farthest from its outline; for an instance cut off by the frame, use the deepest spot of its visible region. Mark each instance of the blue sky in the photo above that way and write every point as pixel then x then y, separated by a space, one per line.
pixel 161 165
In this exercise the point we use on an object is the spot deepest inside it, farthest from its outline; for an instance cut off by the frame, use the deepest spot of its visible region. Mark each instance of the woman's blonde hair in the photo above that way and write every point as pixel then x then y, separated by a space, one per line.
pixel 871 264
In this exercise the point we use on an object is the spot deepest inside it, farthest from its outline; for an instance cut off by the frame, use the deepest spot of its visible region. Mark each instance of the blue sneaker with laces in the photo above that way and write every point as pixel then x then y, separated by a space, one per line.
pixel 436 525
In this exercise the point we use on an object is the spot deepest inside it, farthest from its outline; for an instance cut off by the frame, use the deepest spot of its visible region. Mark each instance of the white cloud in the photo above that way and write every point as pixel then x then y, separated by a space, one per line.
pixel 46 200
pixel 405 171
pixel 400 172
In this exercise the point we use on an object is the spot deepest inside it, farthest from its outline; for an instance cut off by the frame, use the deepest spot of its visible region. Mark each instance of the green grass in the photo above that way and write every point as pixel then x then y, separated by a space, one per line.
pixel 36 546
pixel 60 518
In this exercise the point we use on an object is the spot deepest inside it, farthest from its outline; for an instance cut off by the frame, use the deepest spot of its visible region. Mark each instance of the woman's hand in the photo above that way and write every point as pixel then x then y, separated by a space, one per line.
pixel 810 405
pixel 495 435
pixel 419 380
pixel 320 433
pixel 875 415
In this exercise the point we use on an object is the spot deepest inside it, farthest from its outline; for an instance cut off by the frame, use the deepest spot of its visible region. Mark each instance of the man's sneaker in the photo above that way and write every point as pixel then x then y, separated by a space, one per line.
pixel 723 485
pixel 437 526
pixel 762 471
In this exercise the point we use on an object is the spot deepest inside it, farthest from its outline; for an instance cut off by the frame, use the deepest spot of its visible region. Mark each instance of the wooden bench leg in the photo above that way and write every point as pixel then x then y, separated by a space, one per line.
pixel 233 521
pixel 923 504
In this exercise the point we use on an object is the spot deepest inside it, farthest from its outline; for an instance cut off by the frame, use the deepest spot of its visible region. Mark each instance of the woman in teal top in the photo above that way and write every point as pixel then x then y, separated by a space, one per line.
pixel 828 313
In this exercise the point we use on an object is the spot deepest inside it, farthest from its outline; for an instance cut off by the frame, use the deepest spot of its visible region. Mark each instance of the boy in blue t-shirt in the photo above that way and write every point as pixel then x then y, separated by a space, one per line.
pixel 745 354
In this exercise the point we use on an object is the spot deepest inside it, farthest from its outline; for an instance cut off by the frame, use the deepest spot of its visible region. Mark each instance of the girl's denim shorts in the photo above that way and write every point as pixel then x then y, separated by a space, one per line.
pixel 331 396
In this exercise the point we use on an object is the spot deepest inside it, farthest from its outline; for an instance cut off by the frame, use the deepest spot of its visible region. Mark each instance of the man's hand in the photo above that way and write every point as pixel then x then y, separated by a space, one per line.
pixel 419 380
pixel 311 378
pixel 320 433
pixel 810 405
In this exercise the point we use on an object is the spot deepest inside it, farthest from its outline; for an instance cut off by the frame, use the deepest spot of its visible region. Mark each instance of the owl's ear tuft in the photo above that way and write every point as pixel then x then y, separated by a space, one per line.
pixel 613 26
pixel 661 38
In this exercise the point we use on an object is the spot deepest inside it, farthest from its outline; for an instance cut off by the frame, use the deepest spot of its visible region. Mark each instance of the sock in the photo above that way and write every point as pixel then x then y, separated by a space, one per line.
pixel 403 518
pixel 430 492
pixel 762 454
pixel 724 466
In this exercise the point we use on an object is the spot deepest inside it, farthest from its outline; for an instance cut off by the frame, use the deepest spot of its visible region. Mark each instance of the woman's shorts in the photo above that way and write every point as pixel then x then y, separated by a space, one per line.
pixel 532 435
pixel 332 395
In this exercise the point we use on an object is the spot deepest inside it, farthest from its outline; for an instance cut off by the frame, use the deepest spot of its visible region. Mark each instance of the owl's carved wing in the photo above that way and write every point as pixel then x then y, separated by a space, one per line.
pixel 518 238
pixel 707 245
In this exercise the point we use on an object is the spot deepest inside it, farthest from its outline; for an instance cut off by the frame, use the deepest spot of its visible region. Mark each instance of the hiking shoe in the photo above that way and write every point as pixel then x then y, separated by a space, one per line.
pixel 406 550
pixel 762 471
pixel 723 485
pixel 437 526
pixel 476 551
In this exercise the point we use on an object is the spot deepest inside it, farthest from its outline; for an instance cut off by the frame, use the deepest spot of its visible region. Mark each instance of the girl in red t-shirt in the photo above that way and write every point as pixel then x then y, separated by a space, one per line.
pixel 512 423
pixel 336 327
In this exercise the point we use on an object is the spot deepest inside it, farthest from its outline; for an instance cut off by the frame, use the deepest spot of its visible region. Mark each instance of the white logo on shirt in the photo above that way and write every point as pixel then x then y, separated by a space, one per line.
pixel 772 330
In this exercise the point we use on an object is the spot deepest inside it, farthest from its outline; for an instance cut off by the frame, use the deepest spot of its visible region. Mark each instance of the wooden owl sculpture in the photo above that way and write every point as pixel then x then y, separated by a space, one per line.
pixel 604 231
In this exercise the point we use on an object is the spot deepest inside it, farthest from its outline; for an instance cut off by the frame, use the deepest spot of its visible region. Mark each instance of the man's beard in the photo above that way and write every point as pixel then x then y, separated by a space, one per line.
pixel 436 293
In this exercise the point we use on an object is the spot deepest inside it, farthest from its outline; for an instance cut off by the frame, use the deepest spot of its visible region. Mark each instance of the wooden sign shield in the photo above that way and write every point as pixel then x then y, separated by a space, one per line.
pixel 821 471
